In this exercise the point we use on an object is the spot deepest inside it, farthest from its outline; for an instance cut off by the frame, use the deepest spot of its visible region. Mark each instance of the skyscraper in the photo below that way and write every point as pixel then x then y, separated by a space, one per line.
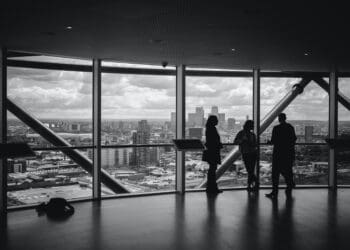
pixel 309 130
pixel 140 156
pixel 231 123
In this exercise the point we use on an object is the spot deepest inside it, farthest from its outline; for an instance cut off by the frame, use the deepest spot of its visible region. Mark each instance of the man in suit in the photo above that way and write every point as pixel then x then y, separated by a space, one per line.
pixel 283 140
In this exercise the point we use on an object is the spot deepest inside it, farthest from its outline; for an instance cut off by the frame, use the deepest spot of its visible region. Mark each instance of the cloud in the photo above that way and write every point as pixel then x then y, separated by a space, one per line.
pixel 62 94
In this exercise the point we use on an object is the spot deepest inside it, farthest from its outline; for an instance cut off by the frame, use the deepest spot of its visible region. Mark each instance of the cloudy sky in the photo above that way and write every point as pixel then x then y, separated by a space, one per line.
pixel 63 94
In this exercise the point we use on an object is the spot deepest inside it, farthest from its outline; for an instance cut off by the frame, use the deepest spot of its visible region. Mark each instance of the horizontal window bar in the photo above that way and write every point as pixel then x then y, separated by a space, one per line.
pixel 137 145
pixel 62 148
pixel 151 145
pixel 205 73
pixel 50 66
pixel 87 68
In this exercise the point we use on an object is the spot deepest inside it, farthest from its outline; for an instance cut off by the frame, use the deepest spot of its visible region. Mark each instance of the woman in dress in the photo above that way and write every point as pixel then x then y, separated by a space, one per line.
pixel 212 153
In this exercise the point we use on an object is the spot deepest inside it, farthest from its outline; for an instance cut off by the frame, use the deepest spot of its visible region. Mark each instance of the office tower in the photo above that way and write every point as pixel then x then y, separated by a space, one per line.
pixel 108 157
pixel 195 133
pixel 191 119
pixel 231 123
pixel 309 130
pixel 199 120
pixel 247 117
pixel 173 121
pixel 140 156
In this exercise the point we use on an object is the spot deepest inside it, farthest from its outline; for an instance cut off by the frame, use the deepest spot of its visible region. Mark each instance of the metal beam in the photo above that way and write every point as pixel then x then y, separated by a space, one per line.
pixel 96 121
pixel 180 127
pixel 343 99
pixel 3 131
pixel 256 115
pixel 54 139
pixel 333 127
pixel 266 122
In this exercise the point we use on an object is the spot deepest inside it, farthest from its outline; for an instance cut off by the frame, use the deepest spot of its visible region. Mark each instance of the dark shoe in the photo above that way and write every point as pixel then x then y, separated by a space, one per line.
pixel 271 195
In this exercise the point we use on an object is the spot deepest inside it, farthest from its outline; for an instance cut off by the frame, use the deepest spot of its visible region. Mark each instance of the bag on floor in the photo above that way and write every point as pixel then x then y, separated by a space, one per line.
pixel 56 208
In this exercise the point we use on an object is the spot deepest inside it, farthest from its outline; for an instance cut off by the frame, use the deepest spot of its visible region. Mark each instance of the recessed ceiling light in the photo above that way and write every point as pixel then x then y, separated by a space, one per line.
pixel 233 50
pixel 306 54
pixel 69 27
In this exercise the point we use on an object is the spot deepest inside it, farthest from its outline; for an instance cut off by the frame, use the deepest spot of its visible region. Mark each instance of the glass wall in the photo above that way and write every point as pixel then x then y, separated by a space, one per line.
pixel 61 101
pixel 343 157
pixel 308 113
pixel 231 100
pixel 139 110
pixel 138 125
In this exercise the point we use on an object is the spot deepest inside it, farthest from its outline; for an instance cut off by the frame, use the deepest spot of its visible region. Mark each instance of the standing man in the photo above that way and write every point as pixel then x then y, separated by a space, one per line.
pixel 283 140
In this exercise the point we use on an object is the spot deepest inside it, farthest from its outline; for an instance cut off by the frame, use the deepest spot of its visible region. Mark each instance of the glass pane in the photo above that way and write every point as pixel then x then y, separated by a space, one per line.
pixel 62 100
pixel 343 158
pixel 231 100
pixel 138 109
pixel 48 174
pixel 308 112
pixel 310 167
pixel 140 169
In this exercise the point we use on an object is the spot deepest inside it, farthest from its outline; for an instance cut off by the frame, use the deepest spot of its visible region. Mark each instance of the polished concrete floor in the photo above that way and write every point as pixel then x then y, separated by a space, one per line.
pixel 313 219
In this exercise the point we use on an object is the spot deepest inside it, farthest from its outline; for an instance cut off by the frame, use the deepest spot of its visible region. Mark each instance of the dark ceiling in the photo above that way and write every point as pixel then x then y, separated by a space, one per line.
pixel 269 35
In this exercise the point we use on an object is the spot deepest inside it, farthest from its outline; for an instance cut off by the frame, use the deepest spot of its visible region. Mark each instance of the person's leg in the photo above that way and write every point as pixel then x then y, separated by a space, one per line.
pixel 275 180
pixel 247 164
pixel 211 178
pixel 288 177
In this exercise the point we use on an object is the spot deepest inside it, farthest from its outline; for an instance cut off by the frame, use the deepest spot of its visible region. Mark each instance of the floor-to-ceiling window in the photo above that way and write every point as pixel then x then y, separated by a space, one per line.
pixel 343 156
pixel 138 125
pixel 308 113
pixel 228 98
pixel 62 102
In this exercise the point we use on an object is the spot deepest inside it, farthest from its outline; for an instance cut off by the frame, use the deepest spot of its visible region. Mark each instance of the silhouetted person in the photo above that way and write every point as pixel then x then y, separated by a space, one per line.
pixel 248 148
pixel 212 153
pixel 283 140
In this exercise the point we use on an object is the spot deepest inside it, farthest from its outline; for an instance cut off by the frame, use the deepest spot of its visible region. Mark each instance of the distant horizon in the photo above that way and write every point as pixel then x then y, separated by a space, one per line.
pixel 153 119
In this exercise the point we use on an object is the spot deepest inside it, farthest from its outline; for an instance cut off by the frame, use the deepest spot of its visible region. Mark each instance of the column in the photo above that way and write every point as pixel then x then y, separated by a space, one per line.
pixel 180 127
pixel 96 82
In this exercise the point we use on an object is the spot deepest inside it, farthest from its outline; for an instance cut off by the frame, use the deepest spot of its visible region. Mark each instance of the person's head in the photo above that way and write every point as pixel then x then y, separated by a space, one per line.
pixel 248 125
pixel 212 121
pixel 282 117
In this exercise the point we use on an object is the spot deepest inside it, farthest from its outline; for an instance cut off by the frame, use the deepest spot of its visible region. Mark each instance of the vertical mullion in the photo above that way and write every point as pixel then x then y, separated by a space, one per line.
pixel 96 116
pixel 180 127
pixel 333 127
pixel 3 130
pixel 256 115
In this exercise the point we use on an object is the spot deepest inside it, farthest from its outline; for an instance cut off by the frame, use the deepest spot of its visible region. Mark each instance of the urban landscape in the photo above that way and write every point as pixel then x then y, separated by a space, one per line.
pixel 146 168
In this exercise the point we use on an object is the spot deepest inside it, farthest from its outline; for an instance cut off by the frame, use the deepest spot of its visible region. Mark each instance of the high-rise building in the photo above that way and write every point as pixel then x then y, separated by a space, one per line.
pixel 108 157
pixel 196 119
pixel 231 123
pixel 191 119
pixel 309 130
pixel 140 156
